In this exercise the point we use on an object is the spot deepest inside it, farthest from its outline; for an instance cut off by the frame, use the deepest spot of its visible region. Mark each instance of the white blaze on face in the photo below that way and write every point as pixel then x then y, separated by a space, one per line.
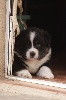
pixel 32 49
pixel 32 36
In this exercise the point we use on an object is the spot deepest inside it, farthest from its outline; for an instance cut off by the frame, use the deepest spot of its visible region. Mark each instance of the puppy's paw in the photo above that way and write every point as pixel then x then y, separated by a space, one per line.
pixel 24 74
pixel 45 72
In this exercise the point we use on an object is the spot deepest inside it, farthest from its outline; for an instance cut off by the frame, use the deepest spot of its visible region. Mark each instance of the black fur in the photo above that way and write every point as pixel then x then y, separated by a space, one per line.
pixel 42 42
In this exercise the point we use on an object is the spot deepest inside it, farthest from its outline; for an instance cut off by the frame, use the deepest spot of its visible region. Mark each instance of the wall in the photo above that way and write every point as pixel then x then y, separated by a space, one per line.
pixel 2 36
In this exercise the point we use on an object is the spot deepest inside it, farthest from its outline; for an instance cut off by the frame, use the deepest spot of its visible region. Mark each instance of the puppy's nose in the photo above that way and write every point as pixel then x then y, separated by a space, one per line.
pixel 32 54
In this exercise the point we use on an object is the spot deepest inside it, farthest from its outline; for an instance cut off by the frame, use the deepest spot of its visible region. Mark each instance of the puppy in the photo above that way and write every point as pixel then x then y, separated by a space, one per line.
pixel 32 54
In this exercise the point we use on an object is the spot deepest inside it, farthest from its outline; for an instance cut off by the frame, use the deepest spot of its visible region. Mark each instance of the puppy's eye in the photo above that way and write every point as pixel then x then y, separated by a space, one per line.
pixel 27 43
pixel 38 44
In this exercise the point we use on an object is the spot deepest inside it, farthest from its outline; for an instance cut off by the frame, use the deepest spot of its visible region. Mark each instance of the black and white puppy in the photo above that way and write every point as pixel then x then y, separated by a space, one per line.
pixel 32 54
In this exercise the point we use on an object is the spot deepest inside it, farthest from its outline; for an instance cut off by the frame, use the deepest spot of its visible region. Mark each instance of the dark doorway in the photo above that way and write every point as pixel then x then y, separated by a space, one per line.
pixel 51 16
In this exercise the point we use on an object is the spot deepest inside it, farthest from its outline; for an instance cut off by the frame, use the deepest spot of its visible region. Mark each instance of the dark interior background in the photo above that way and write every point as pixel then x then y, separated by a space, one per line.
pixel 51 16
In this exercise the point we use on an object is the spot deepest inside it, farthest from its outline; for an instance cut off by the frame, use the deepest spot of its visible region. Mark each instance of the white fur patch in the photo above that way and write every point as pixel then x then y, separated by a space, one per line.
pixel 35 64
pixel 24 73
pixel 32 49
pixel 45 72
pixel 32 36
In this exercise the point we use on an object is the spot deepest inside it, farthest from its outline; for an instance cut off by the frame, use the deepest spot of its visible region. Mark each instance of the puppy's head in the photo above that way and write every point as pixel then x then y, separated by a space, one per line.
pixel 33 43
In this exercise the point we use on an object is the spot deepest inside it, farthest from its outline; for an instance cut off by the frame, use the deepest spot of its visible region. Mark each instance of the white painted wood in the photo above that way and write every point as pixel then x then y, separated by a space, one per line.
pixel 37 81
pixel 7 37
pixel 8 41
pixel 11 43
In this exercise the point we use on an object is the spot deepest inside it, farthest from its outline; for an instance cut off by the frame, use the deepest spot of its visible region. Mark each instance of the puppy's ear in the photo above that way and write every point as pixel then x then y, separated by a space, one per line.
pixel 47 38
pixel 19 39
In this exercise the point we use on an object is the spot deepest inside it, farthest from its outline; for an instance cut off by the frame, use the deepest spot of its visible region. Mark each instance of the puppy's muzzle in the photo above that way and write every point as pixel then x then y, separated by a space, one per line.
pixel 32 54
